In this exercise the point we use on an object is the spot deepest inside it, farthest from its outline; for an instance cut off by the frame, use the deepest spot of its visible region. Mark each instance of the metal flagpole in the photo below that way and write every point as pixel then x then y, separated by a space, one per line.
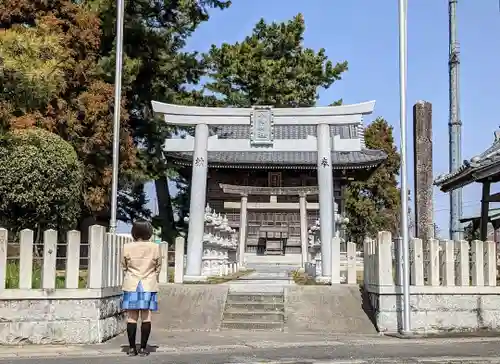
pixel 116 122
pixel 403 7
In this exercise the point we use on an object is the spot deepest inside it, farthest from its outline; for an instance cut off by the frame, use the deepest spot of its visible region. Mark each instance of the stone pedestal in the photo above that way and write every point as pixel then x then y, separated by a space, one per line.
pixel 215 259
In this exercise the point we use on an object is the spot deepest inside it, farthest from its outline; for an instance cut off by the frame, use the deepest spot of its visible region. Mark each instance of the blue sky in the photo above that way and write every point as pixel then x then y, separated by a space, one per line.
pixel 365 33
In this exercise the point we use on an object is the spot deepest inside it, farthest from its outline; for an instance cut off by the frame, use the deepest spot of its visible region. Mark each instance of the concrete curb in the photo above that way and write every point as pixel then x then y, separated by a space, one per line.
pixel 78 351
pixel 38 351
pixel 437 360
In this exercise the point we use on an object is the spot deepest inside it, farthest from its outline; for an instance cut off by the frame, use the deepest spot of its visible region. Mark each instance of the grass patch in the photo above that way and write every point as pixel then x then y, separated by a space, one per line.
pixel 303 279
pixel 170 274
pixel 360 277
pixel 12 277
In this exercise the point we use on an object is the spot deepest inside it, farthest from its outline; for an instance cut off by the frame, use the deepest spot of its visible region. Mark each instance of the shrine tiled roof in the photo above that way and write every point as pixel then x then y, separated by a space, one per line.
pixel 345 131
pixel 484 165
pixel 366 158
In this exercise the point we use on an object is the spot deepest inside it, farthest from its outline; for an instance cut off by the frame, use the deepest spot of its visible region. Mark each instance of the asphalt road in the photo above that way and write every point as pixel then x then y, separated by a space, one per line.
pixel 401 352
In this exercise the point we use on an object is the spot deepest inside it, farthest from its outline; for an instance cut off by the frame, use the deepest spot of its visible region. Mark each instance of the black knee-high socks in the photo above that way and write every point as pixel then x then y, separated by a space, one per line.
pixel 145 332
pixel 131 333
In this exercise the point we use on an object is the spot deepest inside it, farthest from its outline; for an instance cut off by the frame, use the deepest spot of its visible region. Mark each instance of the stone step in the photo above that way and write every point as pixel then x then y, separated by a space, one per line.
pixel 254 316
pixel 255 306
pixel 252 325
pixel 242 290
pixel 265 279
pixel 255 297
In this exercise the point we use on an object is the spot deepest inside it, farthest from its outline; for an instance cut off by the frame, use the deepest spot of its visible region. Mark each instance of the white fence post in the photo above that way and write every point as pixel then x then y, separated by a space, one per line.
pixel 110 243
pixel 448 263
pixel 179 260
pixel 490 259
pixel 433 267
pixel 119 270
pixel 26 259
pixel 366 262
pixel 417 264
pixel 335 261
pixel 96 256
pixel 106 264
pixel 351 263
pixel 372 255
pixel 477 263
pixel 49 259
pixel 73 259
pixel 384 259
pixel 398 249
pixel 463 270
pixel 164 263
pixel 4 235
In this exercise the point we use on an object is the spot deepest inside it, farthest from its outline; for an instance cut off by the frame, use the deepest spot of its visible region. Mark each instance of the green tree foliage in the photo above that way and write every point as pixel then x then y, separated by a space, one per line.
pixel 32 71
pixel 155 68
pixel 41 181
pixel 49 53
pixel 270 67
pixel 57 62
pixel 373 205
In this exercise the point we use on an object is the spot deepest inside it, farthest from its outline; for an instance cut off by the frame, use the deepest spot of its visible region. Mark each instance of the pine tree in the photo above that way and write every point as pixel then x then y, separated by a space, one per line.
pixel 373 205
pixel 270 67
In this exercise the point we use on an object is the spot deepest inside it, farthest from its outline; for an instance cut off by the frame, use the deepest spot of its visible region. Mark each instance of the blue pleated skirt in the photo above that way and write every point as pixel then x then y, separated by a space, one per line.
pixel 140 299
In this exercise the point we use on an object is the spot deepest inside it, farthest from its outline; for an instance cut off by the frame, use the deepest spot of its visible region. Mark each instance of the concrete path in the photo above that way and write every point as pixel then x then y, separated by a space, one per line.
pixel 265 278
pixel 248 348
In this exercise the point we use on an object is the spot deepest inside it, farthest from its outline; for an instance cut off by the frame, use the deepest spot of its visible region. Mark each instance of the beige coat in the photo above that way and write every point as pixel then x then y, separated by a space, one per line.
pixel 141 262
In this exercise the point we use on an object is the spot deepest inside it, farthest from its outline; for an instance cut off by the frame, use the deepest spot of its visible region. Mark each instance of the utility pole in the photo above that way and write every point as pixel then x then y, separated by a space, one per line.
pixel 455 124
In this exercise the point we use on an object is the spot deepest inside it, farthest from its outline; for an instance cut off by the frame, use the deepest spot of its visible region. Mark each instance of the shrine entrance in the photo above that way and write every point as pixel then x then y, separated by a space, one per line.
pixel 274 232
pixel 272 240
pixel 318 139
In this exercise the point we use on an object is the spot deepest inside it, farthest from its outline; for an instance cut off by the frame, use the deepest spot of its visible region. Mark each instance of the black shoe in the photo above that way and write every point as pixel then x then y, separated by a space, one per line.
pixel 132 352
pixel 143 352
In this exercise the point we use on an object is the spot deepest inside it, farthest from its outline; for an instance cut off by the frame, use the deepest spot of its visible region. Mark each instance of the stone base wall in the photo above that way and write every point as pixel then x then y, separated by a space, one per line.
pixel 190 307
pixel 60 321
pixel 326 309
pixel 438 313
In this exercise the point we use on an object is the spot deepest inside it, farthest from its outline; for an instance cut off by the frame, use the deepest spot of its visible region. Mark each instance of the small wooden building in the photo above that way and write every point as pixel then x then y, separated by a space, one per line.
pixel 483 168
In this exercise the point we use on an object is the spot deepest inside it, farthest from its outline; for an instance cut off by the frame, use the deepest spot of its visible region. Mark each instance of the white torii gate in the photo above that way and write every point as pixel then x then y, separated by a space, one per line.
pixel 261 120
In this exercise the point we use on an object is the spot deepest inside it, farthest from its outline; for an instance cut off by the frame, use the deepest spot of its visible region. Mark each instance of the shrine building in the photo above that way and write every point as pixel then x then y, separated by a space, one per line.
pixel 273 172
pixel 484 169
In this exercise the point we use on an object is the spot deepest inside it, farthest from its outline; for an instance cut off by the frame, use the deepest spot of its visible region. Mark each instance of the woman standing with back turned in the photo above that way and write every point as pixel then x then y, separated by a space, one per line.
pixel 141 264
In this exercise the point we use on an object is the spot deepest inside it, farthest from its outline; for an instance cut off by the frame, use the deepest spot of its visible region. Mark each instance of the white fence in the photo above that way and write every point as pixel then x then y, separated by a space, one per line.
pixel 435 263
pixel 350 262
pixel 37 268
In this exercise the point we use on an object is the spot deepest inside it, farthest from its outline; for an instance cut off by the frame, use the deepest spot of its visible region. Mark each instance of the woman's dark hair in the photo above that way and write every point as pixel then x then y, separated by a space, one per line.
pixel 142 230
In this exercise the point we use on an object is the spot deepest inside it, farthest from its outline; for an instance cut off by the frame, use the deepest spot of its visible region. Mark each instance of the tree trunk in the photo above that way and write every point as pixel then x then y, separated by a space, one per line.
pixel 165 212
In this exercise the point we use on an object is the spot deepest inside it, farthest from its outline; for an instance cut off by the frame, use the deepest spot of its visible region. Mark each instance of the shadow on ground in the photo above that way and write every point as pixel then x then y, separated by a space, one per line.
pixel 367 307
